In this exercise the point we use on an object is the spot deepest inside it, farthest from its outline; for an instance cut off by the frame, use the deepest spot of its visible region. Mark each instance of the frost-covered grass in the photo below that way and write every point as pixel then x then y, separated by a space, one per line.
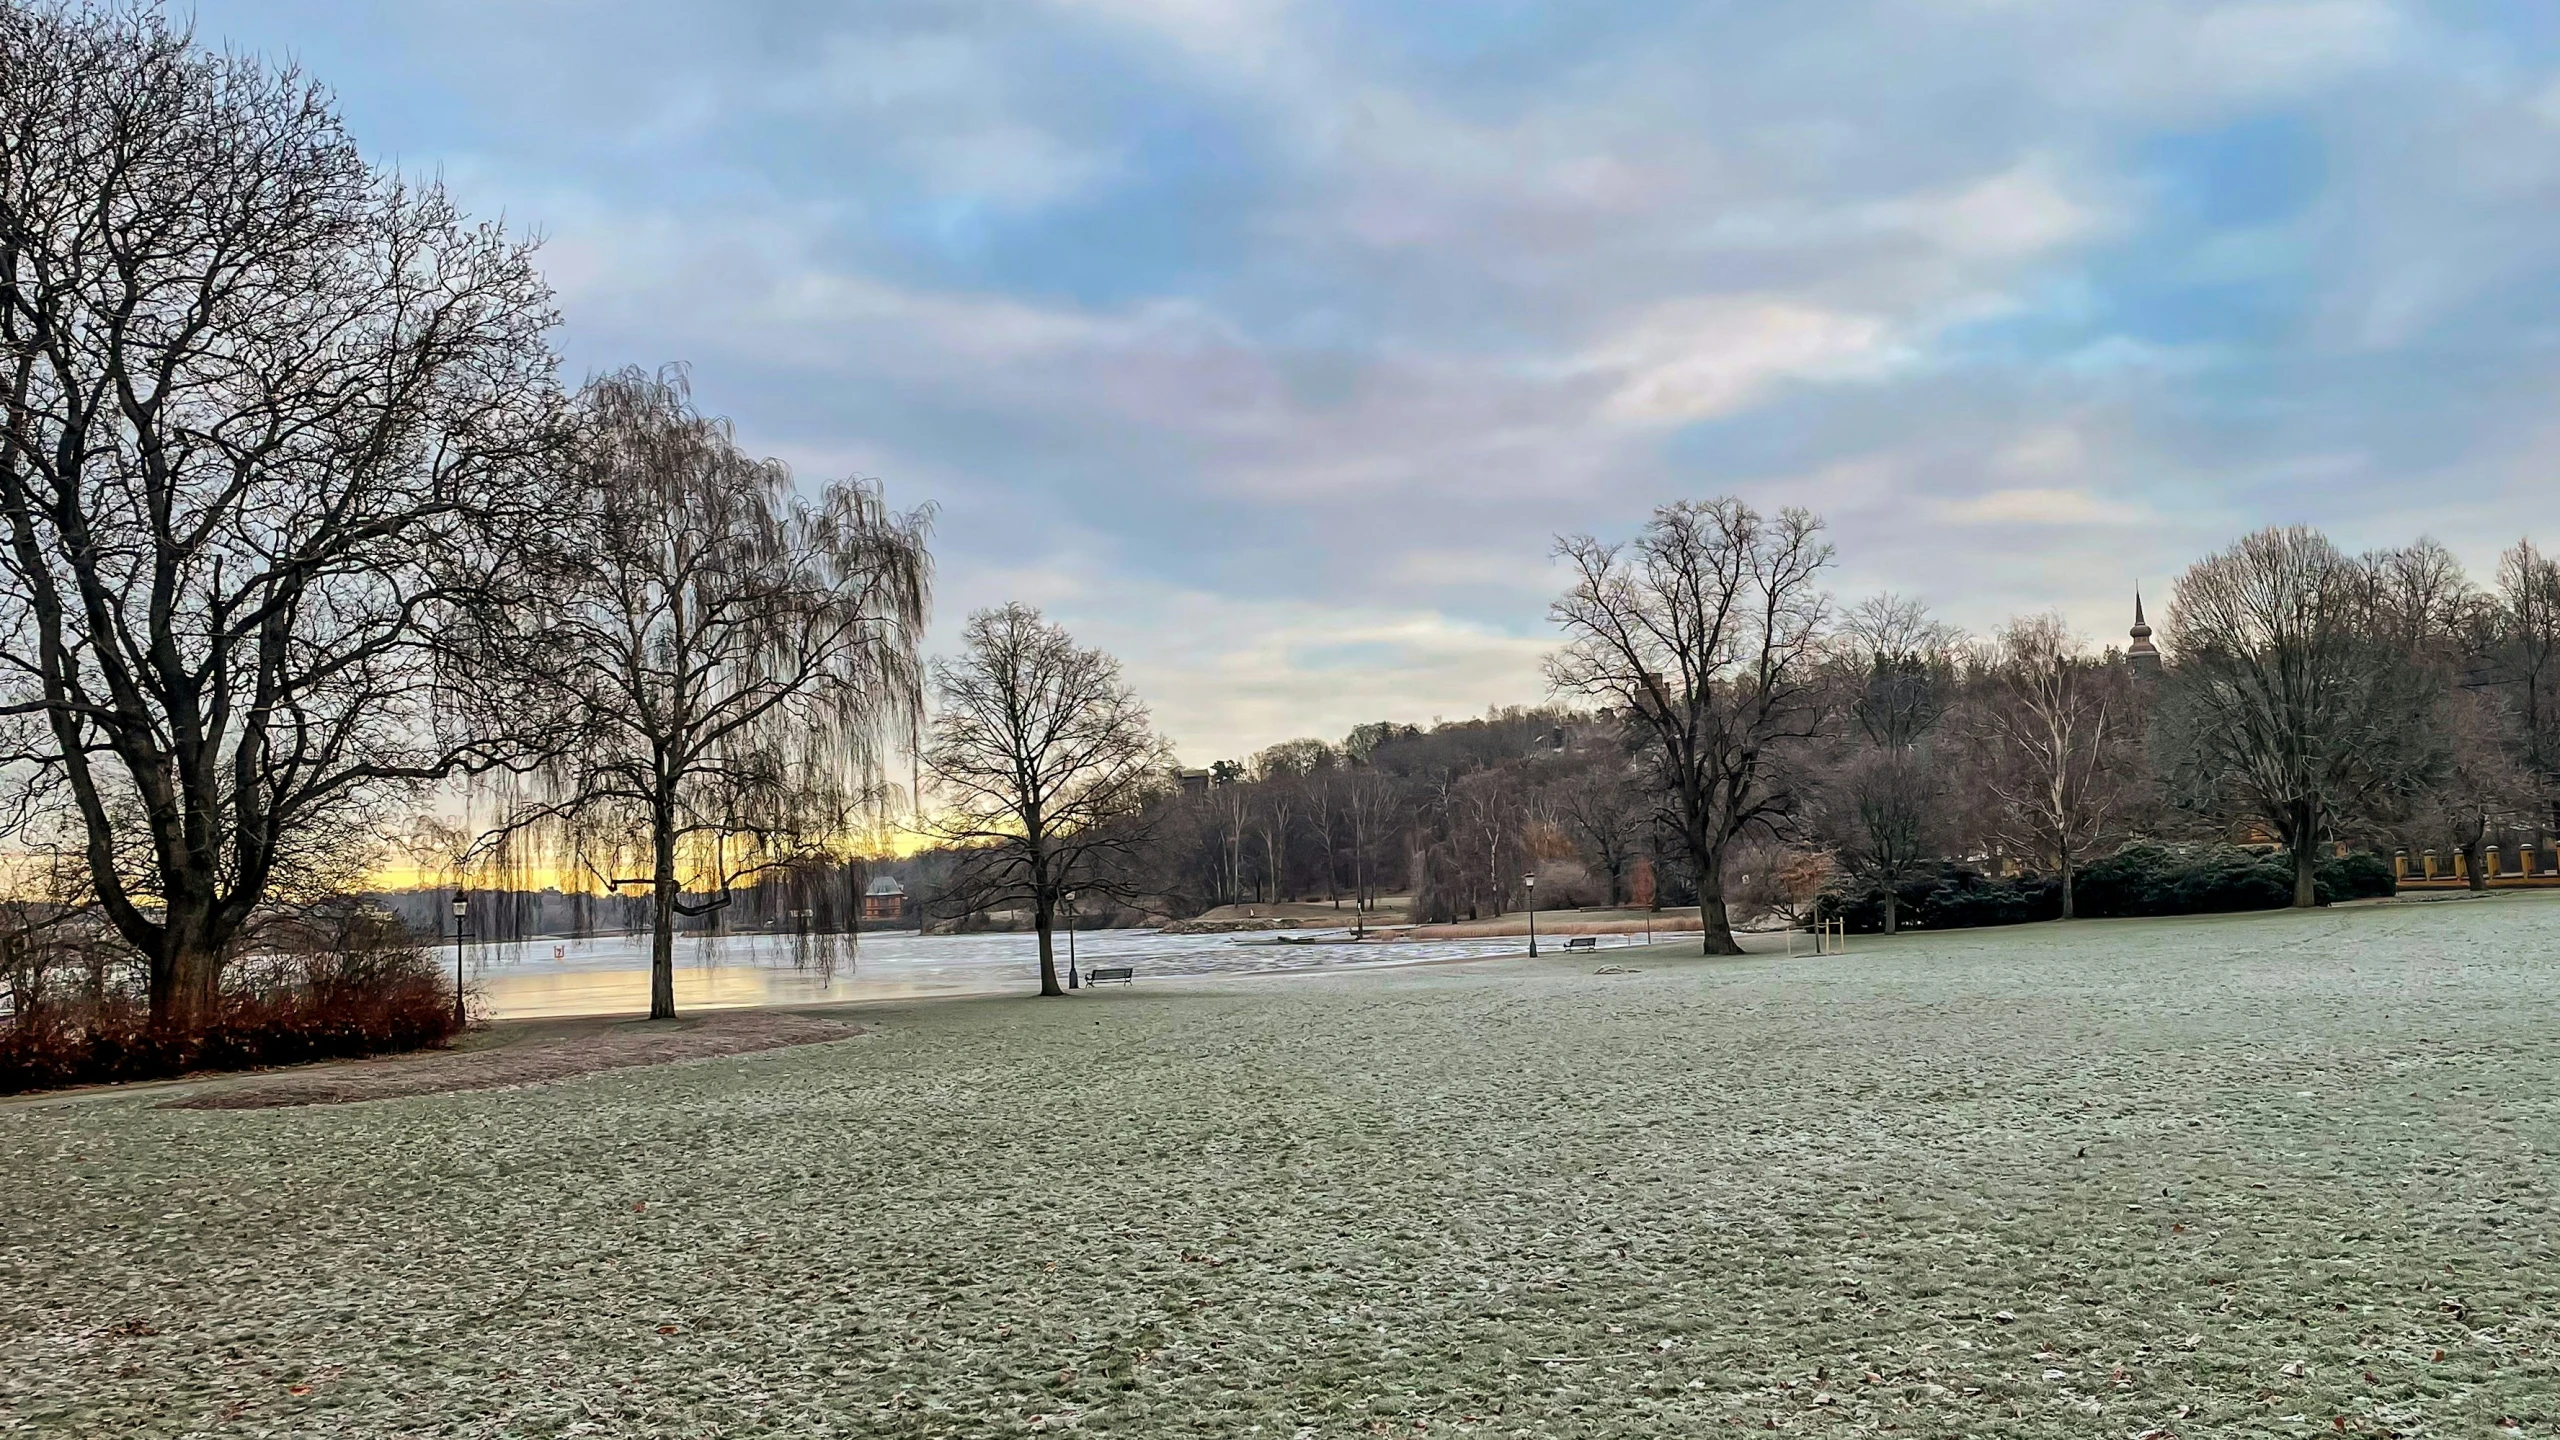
pixel 2256 1175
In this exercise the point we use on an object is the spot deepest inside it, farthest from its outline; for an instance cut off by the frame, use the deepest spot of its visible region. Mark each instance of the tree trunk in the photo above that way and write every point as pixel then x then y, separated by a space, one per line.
pixel 177 980
pixel 185 976
pixel 1892 909
pixel 2306 856
pixel 662 927
pixel 1713 918
pixel 1359 897
pixel 2069 875
pixel 186 979
pixel 2474 854
pixel 1044 917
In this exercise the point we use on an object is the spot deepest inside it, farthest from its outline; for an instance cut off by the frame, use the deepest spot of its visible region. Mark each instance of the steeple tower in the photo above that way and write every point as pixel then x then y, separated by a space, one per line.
pixel 2142 655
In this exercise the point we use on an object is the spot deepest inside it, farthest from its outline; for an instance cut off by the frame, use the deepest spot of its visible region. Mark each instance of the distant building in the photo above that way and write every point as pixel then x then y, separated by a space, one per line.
pixel 1194 782
pixel 885 900
pixel 2142 655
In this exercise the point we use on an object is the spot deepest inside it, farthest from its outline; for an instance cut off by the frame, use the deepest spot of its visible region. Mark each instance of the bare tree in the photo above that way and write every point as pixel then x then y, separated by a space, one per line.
pixel 730 666
pixel 1275 814
pixel 2057 724
pixel 1324 793
pixel 1882 811
pixel 2418 599
pixel 2524 652
pixel 2281 705
pixel 1286 776
pixel 1486 828
pixel 264 407
pixel 1369 809
pixel 1884 820
pixel 1043 763
pixel 1601 809
pixel 1902 664
pixel 1706 630
pixel 2481 784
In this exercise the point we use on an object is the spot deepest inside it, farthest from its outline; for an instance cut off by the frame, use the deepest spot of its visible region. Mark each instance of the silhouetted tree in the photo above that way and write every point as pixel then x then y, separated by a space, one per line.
pixel 2060 725
pixel 267 414
pixel 1043 764
pixel 1707 630
pixel 2281 703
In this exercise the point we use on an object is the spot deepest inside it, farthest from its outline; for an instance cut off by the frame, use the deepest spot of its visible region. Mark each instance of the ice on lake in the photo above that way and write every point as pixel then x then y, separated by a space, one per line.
pixel 607 974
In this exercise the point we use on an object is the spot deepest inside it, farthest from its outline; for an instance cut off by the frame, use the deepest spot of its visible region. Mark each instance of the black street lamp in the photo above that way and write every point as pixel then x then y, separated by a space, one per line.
pixel 1071 939
pixel 461 918
pixel 1530 883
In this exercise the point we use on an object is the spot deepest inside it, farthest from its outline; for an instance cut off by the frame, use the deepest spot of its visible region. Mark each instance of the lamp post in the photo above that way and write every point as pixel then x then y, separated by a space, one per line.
pixel 1530 883
pixel 1071 939
pixel 461 915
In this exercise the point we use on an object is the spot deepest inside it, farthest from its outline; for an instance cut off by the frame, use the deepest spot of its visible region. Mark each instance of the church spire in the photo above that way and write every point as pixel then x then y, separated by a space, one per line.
pixel 2141 654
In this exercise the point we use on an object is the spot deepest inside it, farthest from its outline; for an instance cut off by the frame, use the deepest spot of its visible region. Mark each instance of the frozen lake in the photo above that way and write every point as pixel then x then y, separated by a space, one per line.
pixel 608 974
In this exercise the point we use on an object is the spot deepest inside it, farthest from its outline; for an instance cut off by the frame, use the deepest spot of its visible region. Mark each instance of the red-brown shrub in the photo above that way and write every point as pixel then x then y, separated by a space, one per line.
pixel 330 992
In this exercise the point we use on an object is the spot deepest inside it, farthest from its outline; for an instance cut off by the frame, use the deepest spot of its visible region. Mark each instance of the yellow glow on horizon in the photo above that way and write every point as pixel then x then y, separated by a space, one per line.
pixel 890 843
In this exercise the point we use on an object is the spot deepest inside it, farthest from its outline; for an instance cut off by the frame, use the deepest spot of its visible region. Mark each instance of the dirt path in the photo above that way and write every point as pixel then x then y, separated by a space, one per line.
pixel 529 1052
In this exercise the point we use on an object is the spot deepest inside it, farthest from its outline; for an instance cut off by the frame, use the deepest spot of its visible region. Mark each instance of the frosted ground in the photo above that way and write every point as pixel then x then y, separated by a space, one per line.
pixel 2268 1175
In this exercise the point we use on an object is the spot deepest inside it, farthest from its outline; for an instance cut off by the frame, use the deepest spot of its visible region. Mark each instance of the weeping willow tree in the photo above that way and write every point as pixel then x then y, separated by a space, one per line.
pixel 728 666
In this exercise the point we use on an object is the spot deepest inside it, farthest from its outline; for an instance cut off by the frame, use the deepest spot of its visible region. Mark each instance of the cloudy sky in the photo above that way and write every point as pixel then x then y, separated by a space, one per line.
pixel 1270 344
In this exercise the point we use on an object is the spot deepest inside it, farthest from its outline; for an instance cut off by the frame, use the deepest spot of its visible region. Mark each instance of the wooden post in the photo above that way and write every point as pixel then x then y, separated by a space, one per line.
pixel 2489 861
pixel 2399 864
pixel 2429 860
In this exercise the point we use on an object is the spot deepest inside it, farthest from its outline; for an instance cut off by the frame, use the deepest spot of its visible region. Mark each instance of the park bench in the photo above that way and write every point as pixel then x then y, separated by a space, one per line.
pixel 1122 973
pixel 1582 942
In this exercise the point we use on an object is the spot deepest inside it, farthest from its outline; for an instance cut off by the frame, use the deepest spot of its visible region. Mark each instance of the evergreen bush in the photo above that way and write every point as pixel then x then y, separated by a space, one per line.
pixel 2141 879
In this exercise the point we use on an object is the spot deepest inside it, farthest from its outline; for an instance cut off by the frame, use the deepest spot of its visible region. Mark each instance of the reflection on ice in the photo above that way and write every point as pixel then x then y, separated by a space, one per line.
pixel 610 973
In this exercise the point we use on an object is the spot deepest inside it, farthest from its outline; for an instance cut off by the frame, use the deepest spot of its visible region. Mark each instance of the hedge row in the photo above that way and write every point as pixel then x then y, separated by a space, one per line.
pixel 2137 880
pixel 340 1009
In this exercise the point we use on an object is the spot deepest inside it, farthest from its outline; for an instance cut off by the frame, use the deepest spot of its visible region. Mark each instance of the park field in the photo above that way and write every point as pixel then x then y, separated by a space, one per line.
pixel 2265 1175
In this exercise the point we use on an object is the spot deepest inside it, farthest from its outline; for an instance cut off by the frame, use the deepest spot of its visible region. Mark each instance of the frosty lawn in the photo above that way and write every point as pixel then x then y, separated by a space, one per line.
pixel 2279 1174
